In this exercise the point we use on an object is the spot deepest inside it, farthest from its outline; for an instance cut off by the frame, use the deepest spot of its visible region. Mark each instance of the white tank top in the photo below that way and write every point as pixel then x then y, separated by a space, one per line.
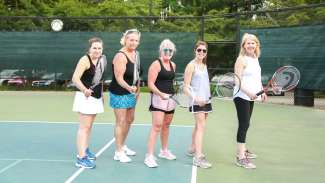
pixel 250 78
pixel 200 82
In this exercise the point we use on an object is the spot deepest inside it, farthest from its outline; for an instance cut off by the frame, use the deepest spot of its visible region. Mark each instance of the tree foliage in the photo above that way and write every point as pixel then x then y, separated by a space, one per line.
pixel 215 28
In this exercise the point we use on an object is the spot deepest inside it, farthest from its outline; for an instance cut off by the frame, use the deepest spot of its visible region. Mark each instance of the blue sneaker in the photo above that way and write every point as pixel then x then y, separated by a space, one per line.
pixel 90 155
pixel 85 163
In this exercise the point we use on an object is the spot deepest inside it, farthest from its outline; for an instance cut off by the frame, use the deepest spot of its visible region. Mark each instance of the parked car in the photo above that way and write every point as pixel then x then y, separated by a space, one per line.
pixel 17 81
pixel 43 83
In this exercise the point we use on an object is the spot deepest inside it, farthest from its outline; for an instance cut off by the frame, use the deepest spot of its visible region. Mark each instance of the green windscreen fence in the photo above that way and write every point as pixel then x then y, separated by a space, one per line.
pixel 54 55
pixel 302 47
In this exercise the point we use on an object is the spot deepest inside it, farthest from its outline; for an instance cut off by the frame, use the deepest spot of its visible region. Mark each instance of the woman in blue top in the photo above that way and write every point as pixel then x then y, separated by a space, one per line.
pixel 124 92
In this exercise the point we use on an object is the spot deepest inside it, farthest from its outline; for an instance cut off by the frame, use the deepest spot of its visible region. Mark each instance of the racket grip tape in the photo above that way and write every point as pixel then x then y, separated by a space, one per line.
pixel 260 93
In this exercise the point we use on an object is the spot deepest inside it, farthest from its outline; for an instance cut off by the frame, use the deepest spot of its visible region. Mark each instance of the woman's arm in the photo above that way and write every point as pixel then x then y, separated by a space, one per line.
pixel 189 70
pixel 82 65
pixel 153 71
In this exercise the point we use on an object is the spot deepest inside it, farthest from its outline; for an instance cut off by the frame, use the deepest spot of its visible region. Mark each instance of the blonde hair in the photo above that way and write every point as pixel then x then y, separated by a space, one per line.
pixel 166 43
pixel 126 33
pixel 247 37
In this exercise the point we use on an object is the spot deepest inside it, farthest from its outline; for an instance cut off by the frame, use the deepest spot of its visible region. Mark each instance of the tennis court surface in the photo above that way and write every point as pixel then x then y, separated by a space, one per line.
pixel 38 131
pixel 43 152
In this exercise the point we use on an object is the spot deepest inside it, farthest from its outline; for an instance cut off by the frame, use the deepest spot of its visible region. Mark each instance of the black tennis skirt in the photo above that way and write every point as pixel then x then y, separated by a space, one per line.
pixel 196 108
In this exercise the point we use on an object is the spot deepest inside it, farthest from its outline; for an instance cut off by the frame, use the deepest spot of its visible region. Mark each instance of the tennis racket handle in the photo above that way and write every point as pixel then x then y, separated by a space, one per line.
pixel 260 93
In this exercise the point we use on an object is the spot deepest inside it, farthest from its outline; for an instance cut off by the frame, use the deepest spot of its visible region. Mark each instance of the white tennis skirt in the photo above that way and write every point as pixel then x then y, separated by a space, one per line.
pixel 88 105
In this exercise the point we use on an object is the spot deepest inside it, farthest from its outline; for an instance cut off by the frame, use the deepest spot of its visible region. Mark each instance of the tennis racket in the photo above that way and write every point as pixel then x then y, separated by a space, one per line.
pixel 136 71
pixel 99 71
pixel 184 96
pixel 225 86
pixel 284 79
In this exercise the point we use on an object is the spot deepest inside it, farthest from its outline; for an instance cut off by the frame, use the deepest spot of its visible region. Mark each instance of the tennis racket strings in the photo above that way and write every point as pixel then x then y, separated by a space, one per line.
pixel 227 85
pixel 184 96
pixel 99 71
pixel 285 78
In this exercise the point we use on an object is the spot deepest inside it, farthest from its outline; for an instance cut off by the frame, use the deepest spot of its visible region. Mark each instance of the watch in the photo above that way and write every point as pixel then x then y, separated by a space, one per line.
pixel 56 25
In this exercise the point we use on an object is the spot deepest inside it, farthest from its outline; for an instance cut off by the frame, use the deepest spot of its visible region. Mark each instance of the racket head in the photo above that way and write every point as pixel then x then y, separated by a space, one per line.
pixel 184 96
pixel 285 79
pixel 226 86
pixel 99 71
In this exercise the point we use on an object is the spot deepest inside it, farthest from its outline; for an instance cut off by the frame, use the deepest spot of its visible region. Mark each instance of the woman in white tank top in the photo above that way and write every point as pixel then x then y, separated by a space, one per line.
pixel 196 76
pixel 248 69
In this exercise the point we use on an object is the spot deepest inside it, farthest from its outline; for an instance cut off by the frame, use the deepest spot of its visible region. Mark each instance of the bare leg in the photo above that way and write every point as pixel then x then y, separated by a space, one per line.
pixel 200 119
pixel 241 148
pixel 120 126
pixel 129 121
pixel 157 120
pixel 84 131
pixel 164 135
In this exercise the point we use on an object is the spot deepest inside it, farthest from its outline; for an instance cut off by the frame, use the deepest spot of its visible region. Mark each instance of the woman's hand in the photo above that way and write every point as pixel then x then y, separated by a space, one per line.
pixel 264 97
pixel 199 101
pixel 88 92
pixel 252 96
pixel 132 89
pixel 164 96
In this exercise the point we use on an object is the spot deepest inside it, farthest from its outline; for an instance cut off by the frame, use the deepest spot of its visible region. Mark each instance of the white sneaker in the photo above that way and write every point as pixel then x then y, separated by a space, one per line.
pixel 128 151
pixel 122 157
pixel 167 155
pixel 150 161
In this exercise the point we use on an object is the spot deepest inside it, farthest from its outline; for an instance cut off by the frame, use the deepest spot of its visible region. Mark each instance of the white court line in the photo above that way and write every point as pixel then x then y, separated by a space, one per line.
pixel 78 172
pixel 194 173
pixel 39 160
pixel 96 123
pixel 9 166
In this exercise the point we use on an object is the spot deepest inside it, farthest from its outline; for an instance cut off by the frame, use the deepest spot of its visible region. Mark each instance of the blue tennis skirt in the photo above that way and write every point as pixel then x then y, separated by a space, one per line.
pixel 122 101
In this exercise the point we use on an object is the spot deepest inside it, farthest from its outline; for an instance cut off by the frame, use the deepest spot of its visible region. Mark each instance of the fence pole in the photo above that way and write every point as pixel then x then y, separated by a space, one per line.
pixel 202 28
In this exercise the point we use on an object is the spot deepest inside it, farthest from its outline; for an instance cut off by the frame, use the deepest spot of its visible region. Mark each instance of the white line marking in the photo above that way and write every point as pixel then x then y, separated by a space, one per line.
pixel 96 123
pixel 194 171
pixel 40 160
pixel 9 166
pixel 78 172
pixel 45 122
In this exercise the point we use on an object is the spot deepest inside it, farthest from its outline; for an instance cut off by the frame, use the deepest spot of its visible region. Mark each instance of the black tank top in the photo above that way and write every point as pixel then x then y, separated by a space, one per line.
pixel 164 81
pixel 87 78
pixel 114 87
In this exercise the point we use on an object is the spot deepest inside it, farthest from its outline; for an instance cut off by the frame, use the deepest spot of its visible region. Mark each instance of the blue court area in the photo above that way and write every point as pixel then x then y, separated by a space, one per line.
pixel 46 152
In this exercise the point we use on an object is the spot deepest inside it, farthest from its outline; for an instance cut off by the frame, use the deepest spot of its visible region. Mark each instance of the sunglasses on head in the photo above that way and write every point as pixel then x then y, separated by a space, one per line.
pixel 199 50
pixel 130 31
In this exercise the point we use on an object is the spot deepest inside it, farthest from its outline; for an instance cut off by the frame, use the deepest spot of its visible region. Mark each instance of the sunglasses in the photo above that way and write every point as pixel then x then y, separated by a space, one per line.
pixel 165 50
pixel 130 31
pixel 199 50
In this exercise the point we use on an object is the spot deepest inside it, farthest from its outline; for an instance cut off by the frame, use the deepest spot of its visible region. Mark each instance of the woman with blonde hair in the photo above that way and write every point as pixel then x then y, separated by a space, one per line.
pixel 124 91
pixel 248 69
pixel 160 81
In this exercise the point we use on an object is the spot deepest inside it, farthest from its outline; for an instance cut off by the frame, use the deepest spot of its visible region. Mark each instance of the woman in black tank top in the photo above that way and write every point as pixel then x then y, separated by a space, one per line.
pixel 88 100
pixel 160 81
pixel 124 91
